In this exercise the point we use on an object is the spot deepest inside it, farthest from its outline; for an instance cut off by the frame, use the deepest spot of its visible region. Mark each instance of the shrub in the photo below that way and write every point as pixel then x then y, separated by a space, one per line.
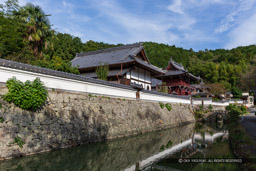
pixel 215 99
pixel 28 95
pixel 1 105
pixel 161 105
pixel 168 107
pixel 102 72
pixel 1 119
pixel 244 110
pixel 169 144
pixel 19 141
pixel 229 107
pixel 210 107
pixel 162 148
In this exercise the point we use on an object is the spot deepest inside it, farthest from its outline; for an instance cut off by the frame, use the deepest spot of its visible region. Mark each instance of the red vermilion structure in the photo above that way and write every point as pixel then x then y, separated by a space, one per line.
pixel 177 79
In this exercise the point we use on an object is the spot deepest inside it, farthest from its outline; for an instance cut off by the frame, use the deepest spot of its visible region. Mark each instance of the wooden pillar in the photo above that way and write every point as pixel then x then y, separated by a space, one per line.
pixel 137 167
pixel 138 95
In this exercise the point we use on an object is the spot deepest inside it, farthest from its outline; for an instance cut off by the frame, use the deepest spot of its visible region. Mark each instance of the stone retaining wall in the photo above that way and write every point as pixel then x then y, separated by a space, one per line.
pixel 70 119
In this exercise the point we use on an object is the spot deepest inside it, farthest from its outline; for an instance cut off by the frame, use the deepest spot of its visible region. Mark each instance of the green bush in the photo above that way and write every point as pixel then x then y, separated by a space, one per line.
pixel 215 99
pixel 168 107
pixel 162 148
pixel 229 107
pixel 210 107
pixel 243 108
pixel 102 72
pixel 19 141
pixel 169 144
pixel 28 95
pixel 1 119
pixel 161 105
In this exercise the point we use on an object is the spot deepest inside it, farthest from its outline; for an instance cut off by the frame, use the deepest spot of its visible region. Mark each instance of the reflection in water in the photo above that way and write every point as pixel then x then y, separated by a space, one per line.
pixel 150 151
pixel 111 155
pixel 206 142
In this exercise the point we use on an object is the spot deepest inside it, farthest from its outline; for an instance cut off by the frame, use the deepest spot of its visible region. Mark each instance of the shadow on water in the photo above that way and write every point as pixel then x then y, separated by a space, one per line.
pixel 111 155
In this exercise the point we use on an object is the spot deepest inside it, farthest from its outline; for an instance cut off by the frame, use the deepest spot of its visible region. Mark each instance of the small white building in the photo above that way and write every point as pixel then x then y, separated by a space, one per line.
pixel 248 100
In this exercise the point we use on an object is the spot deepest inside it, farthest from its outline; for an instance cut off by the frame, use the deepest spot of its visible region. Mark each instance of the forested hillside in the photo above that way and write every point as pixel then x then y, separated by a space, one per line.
pixel 27 36
pixel 233 68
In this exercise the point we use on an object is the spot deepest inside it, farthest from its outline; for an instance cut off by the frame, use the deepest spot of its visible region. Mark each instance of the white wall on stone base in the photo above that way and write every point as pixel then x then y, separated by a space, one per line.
pixel 87 87
pixel 65 84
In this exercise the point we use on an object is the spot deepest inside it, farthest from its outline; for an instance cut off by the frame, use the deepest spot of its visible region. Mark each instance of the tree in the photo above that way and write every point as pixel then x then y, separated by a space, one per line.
pixel 216 89
pixel 65 46
pixel 237 92
pixel 248 80
pixel 39 31
pixel 102 72
pixel 11 31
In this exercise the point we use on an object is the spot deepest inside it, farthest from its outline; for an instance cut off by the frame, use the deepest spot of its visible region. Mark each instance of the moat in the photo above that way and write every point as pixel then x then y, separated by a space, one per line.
pixel 159 150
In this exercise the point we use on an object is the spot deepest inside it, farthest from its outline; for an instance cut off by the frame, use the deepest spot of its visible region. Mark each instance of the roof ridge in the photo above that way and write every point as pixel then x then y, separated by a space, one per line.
pixel 109 49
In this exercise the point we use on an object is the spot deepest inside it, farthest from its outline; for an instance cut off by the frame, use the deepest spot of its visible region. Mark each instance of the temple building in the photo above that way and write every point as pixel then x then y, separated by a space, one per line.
pixel 177 79
pixel 127 64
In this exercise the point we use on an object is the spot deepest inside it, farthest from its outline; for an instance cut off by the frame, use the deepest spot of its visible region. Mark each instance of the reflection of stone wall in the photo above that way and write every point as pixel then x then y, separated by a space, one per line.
pixel 70 119
pixel 112 155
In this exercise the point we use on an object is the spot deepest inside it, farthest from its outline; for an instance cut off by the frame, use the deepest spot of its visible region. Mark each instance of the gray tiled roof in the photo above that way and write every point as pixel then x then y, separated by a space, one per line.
pixel 180 70
pixel 195 77
pixel 177 65
pixel 176 72
pixel 110 73
pixel 149 65
pixel 116 55
pixel 172 73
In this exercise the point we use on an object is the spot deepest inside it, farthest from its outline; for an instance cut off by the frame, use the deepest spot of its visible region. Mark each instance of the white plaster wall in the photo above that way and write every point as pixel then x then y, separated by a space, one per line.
pixel 134 73
pixel 141 75
pixel 128 76
pixel 66 84
pixel 147 76
pixel 199 101
pixel 220 103
pixel 155 97
pixel 81 86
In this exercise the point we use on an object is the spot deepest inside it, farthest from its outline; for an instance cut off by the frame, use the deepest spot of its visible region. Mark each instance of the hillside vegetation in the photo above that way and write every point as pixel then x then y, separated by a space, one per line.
pixel 26 35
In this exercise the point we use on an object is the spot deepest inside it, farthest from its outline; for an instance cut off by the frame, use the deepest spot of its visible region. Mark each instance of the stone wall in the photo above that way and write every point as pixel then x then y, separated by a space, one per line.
pixel 70 119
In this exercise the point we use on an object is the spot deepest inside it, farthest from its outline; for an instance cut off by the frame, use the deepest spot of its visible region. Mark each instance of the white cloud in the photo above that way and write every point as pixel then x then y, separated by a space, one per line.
pixel 244 34
pixel 176 7
pixel 231 18
pixel 137 28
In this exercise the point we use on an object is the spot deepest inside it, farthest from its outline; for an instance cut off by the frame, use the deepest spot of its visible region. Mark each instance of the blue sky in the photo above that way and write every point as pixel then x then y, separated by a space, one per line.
pixel 197 24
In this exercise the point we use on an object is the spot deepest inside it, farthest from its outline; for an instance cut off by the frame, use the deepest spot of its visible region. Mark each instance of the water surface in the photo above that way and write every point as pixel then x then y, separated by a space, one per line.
pixel 149 151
